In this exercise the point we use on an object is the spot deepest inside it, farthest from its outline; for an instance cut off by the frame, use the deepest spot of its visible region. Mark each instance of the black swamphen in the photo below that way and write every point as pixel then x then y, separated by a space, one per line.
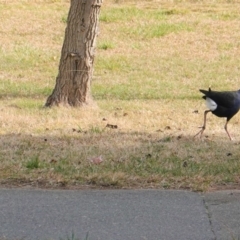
pixel 222 104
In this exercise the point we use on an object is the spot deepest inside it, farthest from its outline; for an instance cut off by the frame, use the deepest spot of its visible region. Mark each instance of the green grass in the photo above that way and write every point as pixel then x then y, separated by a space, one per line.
pixel 106 45
pixel 13 89
pixel 118 14
pixel 150 62
pixel 147 31
pixel 32 163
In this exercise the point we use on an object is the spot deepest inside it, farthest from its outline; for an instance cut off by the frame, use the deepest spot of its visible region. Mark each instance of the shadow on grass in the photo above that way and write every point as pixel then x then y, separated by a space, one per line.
pixel 128 160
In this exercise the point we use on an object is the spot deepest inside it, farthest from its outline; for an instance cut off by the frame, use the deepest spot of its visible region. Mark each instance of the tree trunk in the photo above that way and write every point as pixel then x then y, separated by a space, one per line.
pixel 76 64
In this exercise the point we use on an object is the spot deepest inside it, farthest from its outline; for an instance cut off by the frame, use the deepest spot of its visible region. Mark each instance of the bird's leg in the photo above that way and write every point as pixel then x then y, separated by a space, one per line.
pixel 225 127
pixel 204 123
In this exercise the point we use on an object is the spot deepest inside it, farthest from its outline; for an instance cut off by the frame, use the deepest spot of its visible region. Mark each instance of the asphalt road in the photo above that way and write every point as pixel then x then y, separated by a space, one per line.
pixel 118 214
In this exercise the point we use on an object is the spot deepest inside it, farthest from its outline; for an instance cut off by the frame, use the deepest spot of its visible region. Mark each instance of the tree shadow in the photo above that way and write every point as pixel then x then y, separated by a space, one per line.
pixel 129 160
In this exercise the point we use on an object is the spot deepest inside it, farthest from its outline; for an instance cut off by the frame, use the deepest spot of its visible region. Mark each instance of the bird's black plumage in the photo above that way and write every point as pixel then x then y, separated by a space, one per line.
pixel 228 102
pixel 222 104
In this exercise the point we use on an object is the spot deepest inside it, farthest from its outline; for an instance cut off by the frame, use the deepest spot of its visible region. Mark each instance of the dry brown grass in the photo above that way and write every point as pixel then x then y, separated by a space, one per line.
pixel 147 86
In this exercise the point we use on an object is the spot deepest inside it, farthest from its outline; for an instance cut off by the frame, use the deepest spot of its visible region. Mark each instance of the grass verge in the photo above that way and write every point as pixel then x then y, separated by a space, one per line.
pixel 151 60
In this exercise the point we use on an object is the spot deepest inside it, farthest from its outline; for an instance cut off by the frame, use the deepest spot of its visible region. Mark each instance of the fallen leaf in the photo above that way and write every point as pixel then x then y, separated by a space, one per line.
pixel 75 130
pixel 179 137
pixel 185 164
pixel 111 126
pixel 53 161
pixel 96 160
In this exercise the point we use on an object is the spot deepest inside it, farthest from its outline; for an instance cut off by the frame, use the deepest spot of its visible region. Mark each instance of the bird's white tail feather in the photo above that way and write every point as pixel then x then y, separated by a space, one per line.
pixel 211 104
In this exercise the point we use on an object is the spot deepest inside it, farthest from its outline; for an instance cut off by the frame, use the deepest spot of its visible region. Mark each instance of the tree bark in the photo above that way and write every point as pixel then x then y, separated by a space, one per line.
pixel 77 57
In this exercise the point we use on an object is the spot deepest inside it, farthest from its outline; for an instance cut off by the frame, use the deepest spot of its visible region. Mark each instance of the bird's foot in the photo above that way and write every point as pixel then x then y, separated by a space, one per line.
pixel 201 131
